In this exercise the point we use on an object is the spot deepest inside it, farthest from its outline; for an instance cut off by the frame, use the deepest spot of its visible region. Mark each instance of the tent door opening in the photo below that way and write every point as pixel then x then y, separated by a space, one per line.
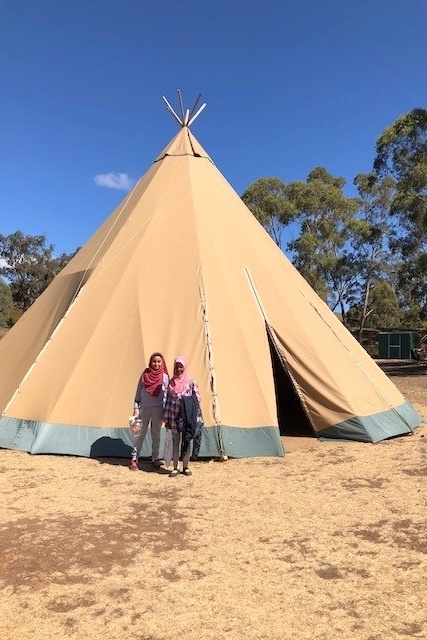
pixel 291 414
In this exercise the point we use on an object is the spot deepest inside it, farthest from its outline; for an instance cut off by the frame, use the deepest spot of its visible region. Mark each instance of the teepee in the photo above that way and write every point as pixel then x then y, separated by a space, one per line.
pixel 183 267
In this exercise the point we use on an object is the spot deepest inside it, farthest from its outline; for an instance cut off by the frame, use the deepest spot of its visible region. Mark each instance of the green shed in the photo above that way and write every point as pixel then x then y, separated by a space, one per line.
pixel 397 345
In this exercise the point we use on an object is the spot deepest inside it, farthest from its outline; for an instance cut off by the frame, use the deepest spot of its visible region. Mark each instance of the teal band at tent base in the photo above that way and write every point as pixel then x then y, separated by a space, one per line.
pixel 251 442
pixel 236 442
pixel 42 437
pixel 387 424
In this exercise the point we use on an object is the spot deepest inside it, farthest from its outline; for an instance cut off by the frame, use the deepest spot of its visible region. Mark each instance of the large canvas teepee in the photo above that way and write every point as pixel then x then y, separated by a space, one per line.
pixel 183 267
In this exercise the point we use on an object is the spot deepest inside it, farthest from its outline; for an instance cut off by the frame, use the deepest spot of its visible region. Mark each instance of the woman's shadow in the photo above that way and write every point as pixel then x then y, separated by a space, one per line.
pixel 117 453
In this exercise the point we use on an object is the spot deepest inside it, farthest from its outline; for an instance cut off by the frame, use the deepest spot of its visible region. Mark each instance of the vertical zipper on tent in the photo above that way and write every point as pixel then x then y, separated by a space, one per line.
pixel 255 292
pixel 215 404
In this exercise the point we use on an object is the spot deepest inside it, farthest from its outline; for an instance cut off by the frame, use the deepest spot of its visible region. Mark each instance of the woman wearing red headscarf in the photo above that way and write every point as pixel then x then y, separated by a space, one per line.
pixel 181 385
pixel 149 406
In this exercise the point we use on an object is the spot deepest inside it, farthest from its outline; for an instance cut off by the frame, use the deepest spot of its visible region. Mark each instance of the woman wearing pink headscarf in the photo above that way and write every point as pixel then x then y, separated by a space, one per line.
pixel 180 385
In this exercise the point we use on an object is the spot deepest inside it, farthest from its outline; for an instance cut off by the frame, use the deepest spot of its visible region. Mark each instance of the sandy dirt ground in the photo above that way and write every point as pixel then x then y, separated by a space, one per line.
pixel 329 542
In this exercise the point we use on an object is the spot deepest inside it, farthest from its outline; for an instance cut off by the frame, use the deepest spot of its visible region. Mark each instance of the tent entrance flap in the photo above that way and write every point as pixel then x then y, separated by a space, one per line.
pixel 291 414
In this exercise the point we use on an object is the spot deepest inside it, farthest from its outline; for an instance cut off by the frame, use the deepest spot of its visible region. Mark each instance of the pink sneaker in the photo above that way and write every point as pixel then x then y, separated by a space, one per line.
pixel 134 465
pixel 157 464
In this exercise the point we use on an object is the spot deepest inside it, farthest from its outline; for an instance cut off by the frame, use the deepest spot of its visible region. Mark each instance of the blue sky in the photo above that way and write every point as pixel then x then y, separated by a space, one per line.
pixel 288 85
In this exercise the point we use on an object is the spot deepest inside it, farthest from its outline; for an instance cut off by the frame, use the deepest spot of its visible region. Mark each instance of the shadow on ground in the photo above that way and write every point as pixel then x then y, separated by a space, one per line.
pixel 403 367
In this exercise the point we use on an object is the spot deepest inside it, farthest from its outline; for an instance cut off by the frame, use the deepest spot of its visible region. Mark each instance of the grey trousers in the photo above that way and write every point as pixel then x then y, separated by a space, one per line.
pixel 147 415
pixel 176 439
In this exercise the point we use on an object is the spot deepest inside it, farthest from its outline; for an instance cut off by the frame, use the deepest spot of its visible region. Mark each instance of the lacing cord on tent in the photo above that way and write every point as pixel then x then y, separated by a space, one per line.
pixel 215 404
pixel 358 364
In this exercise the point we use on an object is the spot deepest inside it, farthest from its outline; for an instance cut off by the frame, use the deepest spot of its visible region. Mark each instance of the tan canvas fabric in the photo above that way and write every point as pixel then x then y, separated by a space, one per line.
pixel 182 267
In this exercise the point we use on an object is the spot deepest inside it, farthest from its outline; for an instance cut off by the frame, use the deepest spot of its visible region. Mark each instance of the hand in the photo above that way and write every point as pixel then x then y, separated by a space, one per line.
pixel 136 413
pixel 136 428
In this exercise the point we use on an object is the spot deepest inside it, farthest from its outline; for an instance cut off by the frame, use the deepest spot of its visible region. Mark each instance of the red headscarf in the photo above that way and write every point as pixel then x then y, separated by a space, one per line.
pixel 179 383
pixel 152 379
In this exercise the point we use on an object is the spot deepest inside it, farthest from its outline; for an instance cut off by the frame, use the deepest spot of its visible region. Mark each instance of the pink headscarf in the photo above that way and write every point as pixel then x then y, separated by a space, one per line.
pixel 179 383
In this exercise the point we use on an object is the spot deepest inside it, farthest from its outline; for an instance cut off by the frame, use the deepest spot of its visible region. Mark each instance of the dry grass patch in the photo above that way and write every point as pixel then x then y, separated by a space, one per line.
pixel 329 542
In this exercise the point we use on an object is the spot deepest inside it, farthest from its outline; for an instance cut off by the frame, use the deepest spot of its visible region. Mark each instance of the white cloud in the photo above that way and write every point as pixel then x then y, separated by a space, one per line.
pixel 3 263
pixel 114 181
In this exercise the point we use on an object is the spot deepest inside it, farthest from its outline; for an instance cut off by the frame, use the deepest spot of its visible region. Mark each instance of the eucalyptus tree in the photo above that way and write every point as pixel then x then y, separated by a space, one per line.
pixel 412 289
pixel 29 265
pixel 385 307
pixel 327 220
pixel 267 200
pixel 402 155
pixel 6 304
pixel 372 240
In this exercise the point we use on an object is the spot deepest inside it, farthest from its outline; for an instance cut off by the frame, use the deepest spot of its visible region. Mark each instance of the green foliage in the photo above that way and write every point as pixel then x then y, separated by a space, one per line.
pixel 356 252
pixel 29 266
pixel 266 198
pixel 411 318
pixel 354 315
pixel 402 146
pixel 326 217
pixel 371 240
pixel 6 304
pixel 402 154
pixel 412 284
pixel 386 311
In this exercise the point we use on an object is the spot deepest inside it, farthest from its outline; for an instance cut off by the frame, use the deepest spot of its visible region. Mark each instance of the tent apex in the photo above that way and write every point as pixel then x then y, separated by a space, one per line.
pixel 187 116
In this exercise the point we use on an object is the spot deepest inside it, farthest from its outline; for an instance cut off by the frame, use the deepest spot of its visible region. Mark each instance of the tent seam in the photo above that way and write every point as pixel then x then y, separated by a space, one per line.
pixel 40 353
